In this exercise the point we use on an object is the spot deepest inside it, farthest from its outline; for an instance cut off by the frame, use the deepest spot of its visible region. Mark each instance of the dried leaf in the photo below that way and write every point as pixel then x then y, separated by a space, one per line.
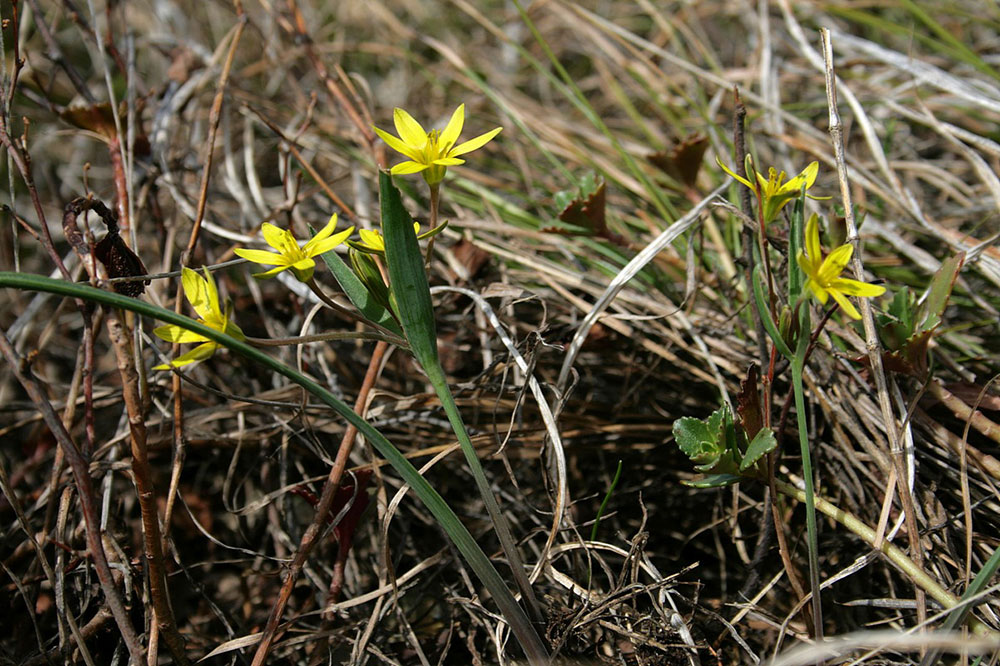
pixel 748 403
pixel 120 261
pixel 683 161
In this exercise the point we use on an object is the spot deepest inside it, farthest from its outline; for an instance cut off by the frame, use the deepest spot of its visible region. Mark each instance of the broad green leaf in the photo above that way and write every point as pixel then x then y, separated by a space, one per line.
pixel 410 296
pixel 407 278
pixel 697 439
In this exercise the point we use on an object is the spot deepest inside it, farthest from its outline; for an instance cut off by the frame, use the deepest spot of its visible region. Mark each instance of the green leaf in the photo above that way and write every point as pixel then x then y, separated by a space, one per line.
pixel 356 291
pixel 765 317
pixel 939 292
pixel 762 444
pixel 407 278
pixel 709 443
pixel 697 439
pixel 410 296
pixel 896 326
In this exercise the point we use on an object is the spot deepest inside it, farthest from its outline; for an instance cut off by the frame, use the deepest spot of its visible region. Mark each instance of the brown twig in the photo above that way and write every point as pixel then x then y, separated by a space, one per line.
pixel 88 504
pixel 330 487
pixel 121 340
pixel 215 116
pixel 359 117
pixel 874 347
pixel 293 149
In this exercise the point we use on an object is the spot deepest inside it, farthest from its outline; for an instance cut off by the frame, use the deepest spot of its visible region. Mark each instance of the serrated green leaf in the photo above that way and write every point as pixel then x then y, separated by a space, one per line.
pixel 697 439
pixel 762 444
pixel 715 422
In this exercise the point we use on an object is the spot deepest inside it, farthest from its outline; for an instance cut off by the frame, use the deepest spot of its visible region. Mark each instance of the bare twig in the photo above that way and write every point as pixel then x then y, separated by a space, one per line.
pixel 874 347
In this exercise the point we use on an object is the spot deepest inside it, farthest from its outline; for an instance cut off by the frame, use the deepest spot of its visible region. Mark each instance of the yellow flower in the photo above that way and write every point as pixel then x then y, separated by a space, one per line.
pixel 431 152
pixel 204 298
pixel 824 274
pixel 289 254
pixel 372 241
pixel 774 193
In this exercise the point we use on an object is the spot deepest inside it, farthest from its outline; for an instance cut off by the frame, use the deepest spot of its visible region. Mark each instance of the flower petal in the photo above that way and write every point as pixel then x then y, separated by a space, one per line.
pixel 408 167
pixel 821 294
pixel 408 129
pixel 261 257
pixel 274 271
pixel 845 304
pixel 318 245
pixel 812 241
pixel 454 127
pixel 857 288
pixel 372 239
pixel 734 175
pixel 324 232
pixel 213 293
pixel 473 144
pixel 448 161
pixel 806 264
pixel 196 292
pixel 834 264
pixel 176 334
pixel 276 237
pixel 396 144
pixel 199 353
pixel 809 174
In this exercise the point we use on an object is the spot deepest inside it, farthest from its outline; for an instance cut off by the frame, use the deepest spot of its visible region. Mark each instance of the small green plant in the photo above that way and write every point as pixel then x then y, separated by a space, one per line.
pixel 715 444
pixel 721 449
pixel 906 328
pixel 726 450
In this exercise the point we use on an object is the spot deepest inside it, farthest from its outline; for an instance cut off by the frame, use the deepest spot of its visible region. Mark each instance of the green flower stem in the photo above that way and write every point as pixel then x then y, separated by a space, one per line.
pixel 433 221
pixel 453 527
pixel 353 316
pixel 810 492
pixel 893 553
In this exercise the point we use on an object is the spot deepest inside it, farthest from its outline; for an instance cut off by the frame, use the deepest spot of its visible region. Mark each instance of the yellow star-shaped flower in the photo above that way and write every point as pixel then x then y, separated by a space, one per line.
pixel 774 191
pixel 203 296
pixel 431 152
pixel 824 273
pixel 289 254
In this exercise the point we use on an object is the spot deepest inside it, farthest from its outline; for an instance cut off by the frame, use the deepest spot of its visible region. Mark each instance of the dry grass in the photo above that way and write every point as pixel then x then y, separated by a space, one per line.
pixel 671 566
